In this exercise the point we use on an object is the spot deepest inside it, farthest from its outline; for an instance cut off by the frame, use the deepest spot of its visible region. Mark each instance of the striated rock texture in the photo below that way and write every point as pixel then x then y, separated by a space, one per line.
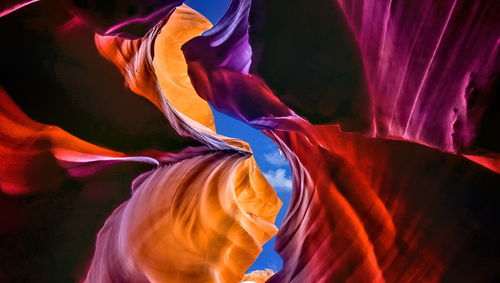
pixel 364 209
pixel 197 214
pixel 205 222
pixel 429 68
pixel 208 215
pixel 386 111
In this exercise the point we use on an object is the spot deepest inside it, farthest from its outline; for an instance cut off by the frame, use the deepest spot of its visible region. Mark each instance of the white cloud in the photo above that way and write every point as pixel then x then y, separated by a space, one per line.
pixel 276 158
pixel 278 179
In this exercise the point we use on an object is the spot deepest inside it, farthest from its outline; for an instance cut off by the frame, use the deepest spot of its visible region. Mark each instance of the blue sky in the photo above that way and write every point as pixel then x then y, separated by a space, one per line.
pixel 266 153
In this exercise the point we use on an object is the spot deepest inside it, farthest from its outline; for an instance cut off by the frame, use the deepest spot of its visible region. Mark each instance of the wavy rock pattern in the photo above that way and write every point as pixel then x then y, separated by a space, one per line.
pixel 206 224
pixel 32 152
pixel 384 190
pixel 208 215
pixel 430 68
pixel 363 209
pixel 208 203
pixel 55 191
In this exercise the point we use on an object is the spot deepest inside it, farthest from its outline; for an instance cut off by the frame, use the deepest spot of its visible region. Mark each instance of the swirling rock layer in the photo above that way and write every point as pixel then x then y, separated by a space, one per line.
pixel 363 209
pixel 200 214
pixel 384 109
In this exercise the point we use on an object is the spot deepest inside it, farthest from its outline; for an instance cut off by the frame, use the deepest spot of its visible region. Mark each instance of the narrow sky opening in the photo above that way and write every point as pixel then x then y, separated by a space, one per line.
pixel 275 168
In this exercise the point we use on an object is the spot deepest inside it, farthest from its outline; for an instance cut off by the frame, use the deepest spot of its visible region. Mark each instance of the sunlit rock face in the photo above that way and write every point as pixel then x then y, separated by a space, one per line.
pixel 55 74
pixel 204 222
pixel 208 215
pixel 384 109
pixel 257 276
pixel 368 209
pixel 198 214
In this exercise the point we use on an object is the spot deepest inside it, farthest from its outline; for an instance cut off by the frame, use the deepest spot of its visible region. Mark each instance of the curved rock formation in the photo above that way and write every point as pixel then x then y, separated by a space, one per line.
pixel 363 209
pixel 430 69
pixel 396 178
pixel 205 221
pixel 200 214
